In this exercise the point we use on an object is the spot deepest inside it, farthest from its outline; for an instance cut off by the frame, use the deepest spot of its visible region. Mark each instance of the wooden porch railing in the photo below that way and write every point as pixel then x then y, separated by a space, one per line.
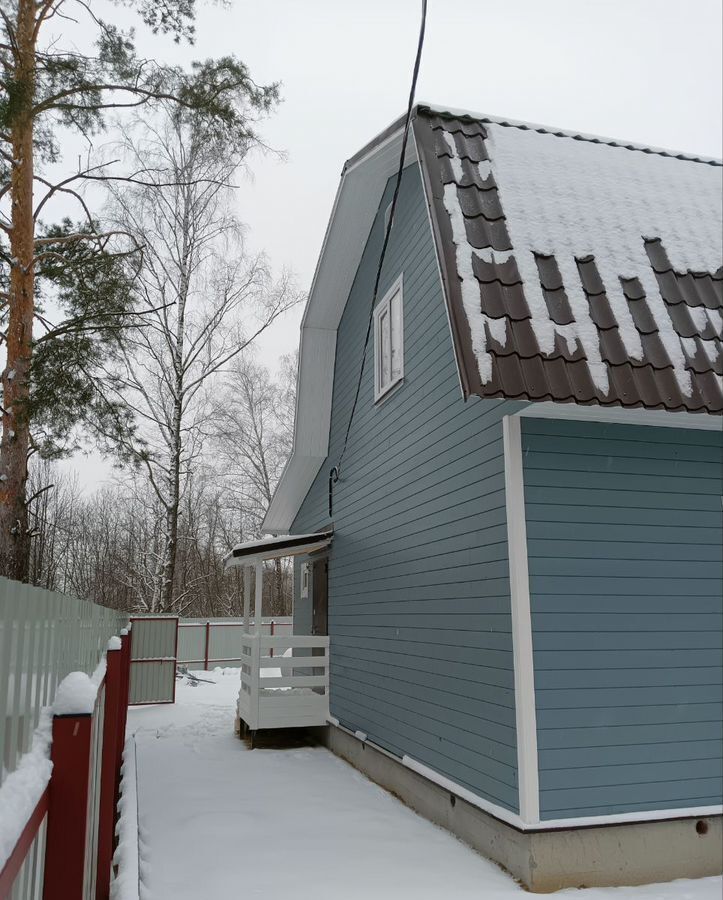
pixel 289 689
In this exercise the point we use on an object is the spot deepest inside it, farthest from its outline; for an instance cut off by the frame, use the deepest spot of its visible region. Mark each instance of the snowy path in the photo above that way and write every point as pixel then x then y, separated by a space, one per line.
pixel 218 820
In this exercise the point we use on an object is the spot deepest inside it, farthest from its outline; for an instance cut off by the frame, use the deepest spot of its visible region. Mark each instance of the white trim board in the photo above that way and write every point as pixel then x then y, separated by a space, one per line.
pixel 513 818
pixel 621 416
pixel 525 710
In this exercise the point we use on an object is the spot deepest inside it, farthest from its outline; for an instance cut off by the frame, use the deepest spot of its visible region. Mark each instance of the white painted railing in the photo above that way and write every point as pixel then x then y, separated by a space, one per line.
pixel 289 689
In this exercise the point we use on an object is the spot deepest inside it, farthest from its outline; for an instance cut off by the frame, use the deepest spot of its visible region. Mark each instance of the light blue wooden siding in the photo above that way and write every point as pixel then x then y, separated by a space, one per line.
pixel 419 610
pixel 624 543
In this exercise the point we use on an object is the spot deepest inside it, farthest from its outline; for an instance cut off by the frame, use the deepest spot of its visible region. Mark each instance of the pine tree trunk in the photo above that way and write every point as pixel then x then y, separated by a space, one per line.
pixel 15 441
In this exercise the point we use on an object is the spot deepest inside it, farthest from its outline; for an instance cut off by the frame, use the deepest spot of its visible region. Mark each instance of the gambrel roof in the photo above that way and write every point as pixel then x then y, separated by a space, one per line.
pixel 576 269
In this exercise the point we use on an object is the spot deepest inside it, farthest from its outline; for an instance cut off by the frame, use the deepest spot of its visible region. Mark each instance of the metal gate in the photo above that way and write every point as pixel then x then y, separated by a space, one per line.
pixel 154 650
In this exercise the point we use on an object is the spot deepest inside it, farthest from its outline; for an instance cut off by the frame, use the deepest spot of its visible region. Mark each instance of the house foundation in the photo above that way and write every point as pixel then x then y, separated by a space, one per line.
pixel 545 861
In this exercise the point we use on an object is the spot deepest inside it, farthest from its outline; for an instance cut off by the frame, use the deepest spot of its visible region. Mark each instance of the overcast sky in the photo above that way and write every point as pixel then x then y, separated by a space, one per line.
pixel 644 70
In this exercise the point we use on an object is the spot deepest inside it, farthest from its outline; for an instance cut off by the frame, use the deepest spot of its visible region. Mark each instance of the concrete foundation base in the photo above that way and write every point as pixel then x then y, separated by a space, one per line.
pixel 545 861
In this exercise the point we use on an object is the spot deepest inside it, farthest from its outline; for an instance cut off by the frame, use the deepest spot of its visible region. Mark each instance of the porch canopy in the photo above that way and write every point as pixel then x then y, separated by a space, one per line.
pixel 251 555
pixel 251 552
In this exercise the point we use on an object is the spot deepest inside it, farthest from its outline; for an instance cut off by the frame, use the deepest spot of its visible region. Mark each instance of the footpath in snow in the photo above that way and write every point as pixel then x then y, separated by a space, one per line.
pixel 219 820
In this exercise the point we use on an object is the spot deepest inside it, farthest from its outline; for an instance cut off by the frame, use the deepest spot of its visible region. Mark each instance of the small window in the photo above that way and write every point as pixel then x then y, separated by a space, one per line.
pixel 388 341
pixel 305 579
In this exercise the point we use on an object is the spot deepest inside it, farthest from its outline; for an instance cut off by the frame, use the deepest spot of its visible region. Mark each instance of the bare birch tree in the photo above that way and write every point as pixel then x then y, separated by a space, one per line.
pixel 253 432
pixel 65 80
pixel 205 301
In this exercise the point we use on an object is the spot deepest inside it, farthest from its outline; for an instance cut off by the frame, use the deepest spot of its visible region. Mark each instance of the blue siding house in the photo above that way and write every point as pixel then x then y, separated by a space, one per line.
pixel 521 580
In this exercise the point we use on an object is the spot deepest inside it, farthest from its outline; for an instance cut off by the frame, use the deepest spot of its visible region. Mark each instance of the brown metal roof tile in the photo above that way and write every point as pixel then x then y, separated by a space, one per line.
pixel 642 317
pixel 646 386
pixel 711 391
pixel 535 374
pixel 681 319
pixel 474 202
pixel 472 147
pixel 700 290
pixel 558 306
pixel 583 387
pixel 550 277
pixel 658 256
pixel 700 361
pixel 501 296
pixel 601 312
pixel 482 233
pixel 654 352
pixel 589 276
pixel 624 384
pixel 669 389
pixel 558 378
pixel 612 349
pixel 519 369
pixel 505 273
pixel 632 288
pixel 510 375
pixel 669 284
pixel 521 340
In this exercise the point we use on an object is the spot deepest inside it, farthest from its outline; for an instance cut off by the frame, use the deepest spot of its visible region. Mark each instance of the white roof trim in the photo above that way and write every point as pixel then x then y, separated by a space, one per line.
pixel 357 201
pixel 621 416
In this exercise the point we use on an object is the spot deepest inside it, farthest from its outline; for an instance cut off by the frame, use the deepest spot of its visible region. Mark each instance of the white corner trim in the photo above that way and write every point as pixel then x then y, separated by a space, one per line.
pixel 525 711
pixel 619 415
pixel 499 812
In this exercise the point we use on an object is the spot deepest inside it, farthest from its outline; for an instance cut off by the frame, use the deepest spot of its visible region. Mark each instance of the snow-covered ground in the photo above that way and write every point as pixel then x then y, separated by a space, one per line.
pixel 219 820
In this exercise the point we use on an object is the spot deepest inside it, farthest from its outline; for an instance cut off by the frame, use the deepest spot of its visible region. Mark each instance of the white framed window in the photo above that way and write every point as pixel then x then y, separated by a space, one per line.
pixel 304 579
pixel 389 341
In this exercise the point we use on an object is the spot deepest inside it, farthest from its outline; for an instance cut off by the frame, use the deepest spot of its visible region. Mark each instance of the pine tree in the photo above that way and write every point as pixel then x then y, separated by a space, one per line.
pixel 48 87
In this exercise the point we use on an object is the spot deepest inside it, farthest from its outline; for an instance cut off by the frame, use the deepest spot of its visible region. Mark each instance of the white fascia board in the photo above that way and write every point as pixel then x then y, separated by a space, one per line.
pixel 621 416
pixel 357 201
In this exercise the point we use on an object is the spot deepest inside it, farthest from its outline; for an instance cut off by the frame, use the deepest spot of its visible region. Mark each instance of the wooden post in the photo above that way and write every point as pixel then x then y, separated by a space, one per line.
pixel 109 772
pixel 258 595
pixel 68 807
pixel 247 598
pixel 205 653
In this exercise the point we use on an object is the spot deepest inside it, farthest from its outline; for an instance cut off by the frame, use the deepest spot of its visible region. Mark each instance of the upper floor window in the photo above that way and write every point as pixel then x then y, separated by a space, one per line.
pixel 388 341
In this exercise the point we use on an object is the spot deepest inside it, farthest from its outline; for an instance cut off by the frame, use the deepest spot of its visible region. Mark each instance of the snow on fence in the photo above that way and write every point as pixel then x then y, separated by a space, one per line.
pixel 207 643
pixel 61 732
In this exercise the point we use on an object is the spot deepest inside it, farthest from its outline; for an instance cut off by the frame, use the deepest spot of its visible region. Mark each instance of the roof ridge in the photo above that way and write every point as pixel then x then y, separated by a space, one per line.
pixel 470 116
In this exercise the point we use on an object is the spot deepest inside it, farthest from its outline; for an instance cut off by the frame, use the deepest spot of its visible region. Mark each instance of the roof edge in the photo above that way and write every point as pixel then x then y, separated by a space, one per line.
pixel 469 115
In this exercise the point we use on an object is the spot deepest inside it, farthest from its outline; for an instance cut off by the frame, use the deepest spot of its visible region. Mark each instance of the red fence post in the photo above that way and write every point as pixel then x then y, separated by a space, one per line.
pixel 68 807
pixel 123 699
pixel 208 637
pixel 109 771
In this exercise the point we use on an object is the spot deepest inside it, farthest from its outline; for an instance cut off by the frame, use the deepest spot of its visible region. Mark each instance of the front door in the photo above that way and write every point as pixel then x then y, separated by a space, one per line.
pixel 320 597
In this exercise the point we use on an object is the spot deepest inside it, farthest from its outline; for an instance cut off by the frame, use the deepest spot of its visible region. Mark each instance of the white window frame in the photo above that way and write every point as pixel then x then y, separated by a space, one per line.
pixel 384 308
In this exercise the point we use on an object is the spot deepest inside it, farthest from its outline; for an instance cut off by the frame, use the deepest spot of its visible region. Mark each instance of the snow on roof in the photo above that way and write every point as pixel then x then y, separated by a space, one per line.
pixel 584 270
pixel 279 545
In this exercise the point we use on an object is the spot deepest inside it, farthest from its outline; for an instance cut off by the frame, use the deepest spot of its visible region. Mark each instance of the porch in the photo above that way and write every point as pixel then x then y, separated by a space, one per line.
pixel 284 678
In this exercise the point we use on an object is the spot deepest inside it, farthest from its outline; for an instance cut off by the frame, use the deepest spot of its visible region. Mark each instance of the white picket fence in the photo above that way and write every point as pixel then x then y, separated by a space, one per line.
pixel 284 681
pixel 43 636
